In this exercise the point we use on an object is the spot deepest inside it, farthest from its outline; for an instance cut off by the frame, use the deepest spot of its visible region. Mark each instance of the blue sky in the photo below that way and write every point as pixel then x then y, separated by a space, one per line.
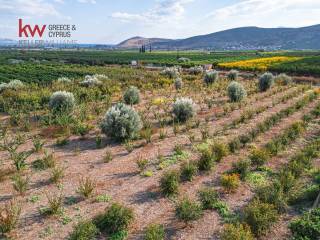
pixel 109 21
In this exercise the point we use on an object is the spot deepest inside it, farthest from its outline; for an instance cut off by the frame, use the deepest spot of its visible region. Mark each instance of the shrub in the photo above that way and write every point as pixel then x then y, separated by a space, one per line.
pixel 188 170
pixel 236 92
pixel 211 77
pixel 122 235
pixel 283 79
pixel 266 81
pixel 169 183
pixel 178 83
pixel 90 81
pixel 63 80
pixel 55 203
pixel 20 183
pixel 131 96
pixel 155 232
pixel 142 164
pixel 172 72
pixel 286 180
pixel 307 226
pixel 206 161
pixel 121 122
pixel 183 109
pixel 219 151
pixel 236 232
pixel 242 168
pixel 196 70
pixel 44 163
pixel 56 174
pixel 115 219
pixel 234 145
pixel 15 85
pixel 9 216
pixel 12 85
pixel 233 75
pixel 3 86
pixel 230 182
pixel 188 210
pixel 86 187
pixel 259 157
pixel 260 216
pixel 84 230
pixel 183 60
pixel 62 102
pixel 208 198
pixel 273 194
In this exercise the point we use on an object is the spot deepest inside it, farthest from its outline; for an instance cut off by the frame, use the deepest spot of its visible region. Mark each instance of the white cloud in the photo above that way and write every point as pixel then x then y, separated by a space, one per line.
pixel 87 1
pixel 27 8
pixel 163 11
pixel 270 13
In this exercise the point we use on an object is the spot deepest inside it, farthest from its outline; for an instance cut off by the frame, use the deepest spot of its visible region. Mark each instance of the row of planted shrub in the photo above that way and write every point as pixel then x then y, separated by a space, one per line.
pixel 287 187
pixel 192 211
pixel 243 140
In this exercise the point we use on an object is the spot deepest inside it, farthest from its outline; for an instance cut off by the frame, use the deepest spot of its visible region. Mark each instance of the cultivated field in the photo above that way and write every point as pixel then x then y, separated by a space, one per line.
pixel 114 152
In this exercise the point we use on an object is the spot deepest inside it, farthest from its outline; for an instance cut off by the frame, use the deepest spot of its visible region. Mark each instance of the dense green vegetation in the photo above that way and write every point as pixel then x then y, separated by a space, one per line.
pixel 43 66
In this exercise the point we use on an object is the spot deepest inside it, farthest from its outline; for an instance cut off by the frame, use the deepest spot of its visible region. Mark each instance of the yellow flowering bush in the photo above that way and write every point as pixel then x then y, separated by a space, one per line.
pixel 261 64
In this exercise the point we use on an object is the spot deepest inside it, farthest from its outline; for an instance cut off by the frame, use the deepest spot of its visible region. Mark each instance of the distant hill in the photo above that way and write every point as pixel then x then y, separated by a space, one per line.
pixel 6 41
pixel 245 38
pixel 137 42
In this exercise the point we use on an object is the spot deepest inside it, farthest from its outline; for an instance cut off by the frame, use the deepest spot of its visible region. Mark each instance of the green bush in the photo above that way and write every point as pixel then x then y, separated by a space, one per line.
pixel 211 77
pixel 219 151
pixel 183 109
pixel 188 170
pixel 236 92
pixel 233 75
pixel 169 183
pixel 259 157
pixel 286 180
pixel 62 102
pixel 9 216
pixel 283 79
pixel 115 219
pixel 307 226
pixel 155 232
pixel 121 122
pixel 273 194
pixel 236 232
pixel 230 182
pixel 266 81
pixel 84 230
pixel 242 168
pixel 131 96
pixel 260 216
pixel 234 145
pixel 206 161
pixel 208 198
pixel 122 235
pixel 178 83
pixel 188 210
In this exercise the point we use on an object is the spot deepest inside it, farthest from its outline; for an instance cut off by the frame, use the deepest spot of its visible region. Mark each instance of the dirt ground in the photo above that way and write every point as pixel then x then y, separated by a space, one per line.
pixel 120 178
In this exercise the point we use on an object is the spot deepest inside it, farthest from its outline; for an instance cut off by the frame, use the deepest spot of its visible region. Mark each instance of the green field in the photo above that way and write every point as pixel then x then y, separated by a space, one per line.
pixel 44 66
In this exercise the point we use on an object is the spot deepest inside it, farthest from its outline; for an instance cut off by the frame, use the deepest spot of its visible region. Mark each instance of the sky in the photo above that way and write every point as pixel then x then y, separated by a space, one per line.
pixel 112 21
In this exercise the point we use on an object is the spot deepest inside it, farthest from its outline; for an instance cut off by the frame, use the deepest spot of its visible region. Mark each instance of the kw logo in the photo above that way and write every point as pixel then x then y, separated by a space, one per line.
pixel 26 30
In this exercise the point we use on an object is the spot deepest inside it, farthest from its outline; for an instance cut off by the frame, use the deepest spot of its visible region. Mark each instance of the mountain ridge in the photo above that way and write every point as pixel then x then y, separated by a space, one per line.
pixel 242 38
